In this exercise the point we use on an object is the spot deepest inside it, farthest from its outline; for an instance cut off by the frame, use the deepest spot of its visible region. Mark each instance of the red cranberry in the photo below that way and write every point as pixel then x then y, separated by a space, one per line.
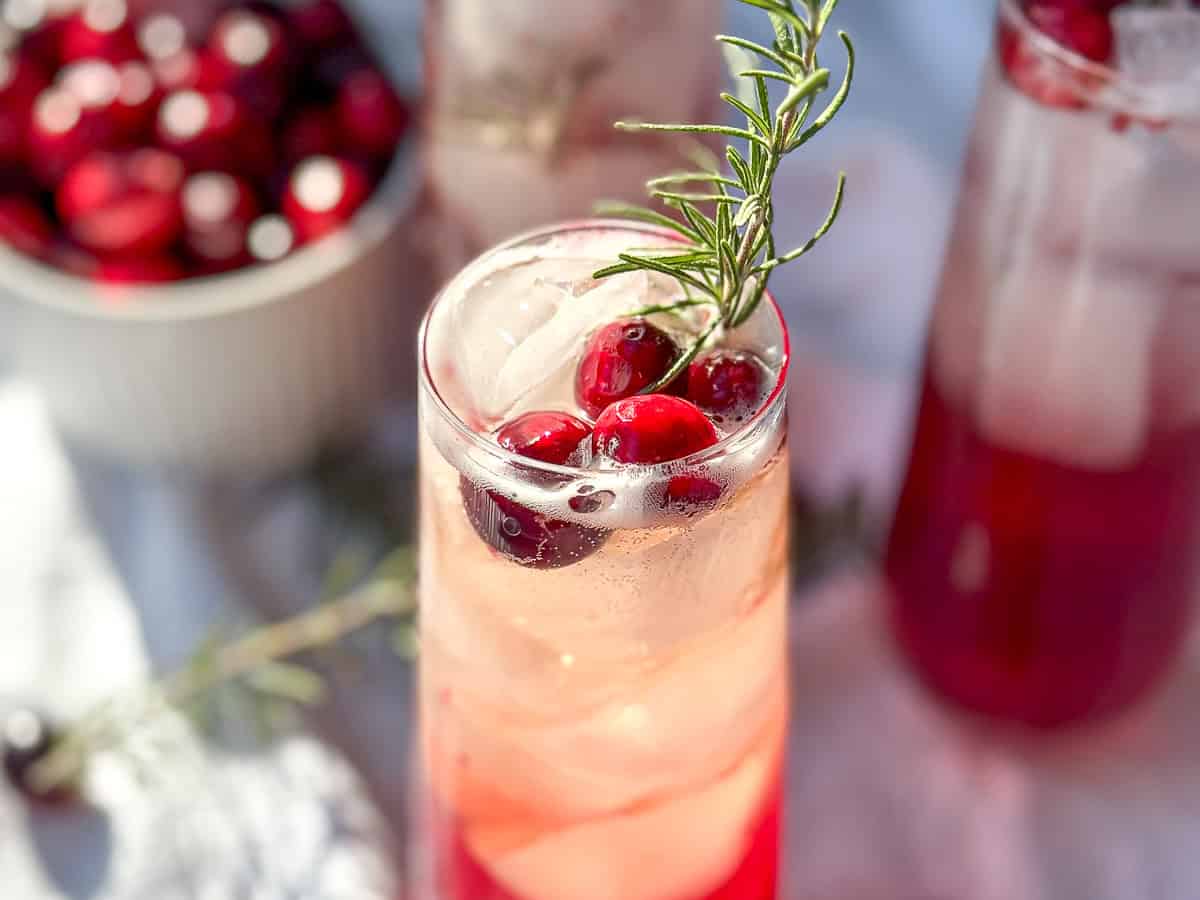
pixel 21 81
pixel 313 131
pixel 322 194
pixel 721 381
pixel 218 209
pixel 247 56
pixel 270 239
pixel 523 535
pixel 101 29
pixel 153 269
pixel 372 115
pixel 123 203
pixel 1080 27
pixel 213 130
pixel 320 23
pixel 62 131
pixel 137 102
pixel 652 428
pixel 550 437
pixel 26 738
pixel 691 493
pixel 162 36
pixel 621 359
pixel 24 226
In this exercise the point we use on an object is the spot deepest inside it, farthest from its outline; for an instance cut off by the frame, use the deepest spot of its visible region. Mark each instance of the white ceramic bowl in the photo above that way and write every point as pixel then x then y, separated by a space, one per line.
pixel 244 373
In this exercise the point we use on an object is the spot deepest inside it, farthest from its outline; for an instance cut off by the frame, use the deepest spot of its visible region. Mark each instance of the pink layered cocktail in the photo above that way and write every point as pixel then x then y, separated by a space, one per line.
pixel 603 671
pixel 1044 561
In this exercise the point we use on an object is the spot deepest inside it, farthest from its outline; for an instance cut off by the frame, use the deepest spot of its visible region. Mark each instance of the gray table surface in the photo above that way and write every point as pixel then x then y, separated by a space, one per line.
pixel 109 574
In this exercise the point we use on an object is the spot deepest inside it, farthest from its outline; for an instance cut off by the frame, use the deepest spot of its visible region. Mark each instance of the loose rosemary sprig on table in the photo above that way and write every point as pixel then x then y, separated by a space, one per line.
pixel 726 259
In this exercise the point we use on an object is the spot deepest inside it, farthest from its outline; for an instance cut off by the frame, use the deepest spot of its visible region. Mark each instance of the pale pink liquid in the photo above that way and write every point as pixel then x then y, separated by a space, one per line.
pixel 615 728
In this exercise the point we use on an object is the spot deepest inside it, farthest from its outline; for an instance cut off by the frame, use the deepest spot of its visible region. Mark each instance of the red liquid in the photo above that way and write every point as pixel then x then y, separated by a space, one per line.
pixel 459 877
pixel 1033 591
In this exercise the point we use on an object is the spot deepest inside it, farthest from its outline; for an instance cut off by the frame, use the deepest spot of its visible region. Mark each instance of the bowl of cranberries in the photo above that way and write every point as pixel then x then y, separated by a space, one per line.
pixel 201 226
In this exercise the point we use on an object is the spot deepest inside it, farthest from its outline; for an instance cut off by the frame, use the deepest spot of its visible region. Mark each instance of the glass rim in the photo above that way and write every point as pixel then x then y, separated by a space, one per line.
pixel 479 441
pixel 1124 92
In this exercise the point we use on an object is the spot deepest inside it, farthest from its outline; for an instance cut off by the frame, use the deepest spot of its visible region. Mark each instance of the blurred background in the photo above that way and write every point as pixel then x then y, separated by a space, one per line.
pixel 118 559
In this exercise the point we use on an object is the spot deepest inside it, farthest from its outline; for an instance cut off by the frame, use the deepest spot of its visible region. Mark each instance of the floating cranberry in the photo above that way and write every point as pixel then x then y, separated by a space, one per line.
pixel 218 209
pixel 1081 27
pixel 24 226
pixel 123 203
pixel 21 81
pixel 724 381
pixel 320 24
pixel 322 194
pixel 1076 24
pixel 652 428
pixel 101 29
pixel 371 113
pixel 523 535
pixel 621 359
pixel 313 131
pixel 691 493
pixel 213 130
pixel 26 738
pixel 550 437
pixel 270 238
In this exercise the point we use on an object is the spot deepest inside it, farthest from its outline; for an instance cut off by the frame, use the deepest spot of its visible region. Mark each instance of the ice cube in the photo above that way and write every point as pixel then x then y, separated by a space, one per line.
pixel 1065 369
pixel 539 367
pixel 1161 47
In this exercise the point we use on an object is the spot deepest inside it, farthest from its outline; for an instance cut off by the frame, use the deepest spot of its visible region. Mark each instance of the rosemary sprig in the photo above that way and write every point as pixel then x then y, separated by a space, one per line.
pixel 726 258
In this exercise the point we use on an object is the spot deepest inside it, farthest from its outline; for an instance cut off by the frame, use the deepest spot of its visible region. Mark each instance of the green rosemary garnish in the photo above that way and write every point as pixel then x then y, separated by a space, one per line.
pixel 726 259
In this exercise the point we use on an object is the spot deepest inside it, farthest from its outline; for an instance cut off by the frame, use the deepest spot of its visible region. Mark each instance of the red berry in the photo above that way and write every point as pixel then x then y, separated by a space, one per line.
pixel 101 29
pixel 64 129
pixel 722 381
pixel 137 102
pixel 691 493
pixel 320 23
pixel 270 239
pixel 24 226
pixel 247 56
pixel 218 209
pixel 621 359
pixel 550 437
pixel 652 428
pixel 313 131
pixel 520 534
pixel 155 269
pixel 213 130
pixel 322 194
pixel 21 81
pixel 371 113
pixel 123 203
pixel 1083 28
pixel 162 36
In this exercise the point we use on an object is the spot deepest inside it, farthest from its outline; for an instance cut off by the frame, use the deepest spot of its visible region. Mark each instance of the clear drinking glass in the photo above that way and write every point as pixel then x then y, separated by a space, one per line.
pixel 607 718
pixel 1044 559
pixel 522 97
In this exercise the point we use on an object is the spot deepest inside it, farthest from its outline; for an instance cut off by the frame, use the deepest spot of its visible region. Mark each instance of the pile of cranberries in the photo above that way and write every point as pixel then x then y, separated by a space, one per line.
pixel 133 150
pixel 620 425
